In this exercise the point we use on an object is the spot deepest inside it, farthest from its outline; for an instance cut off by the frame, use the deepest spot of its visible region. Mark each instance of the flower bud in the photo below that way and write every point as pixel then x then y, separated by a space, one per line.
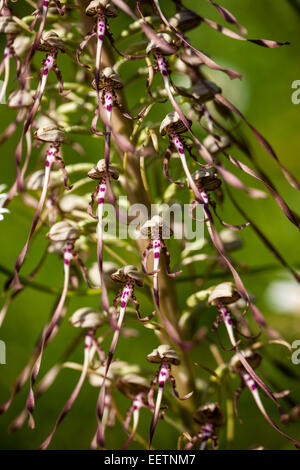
pixel 50 40
pixel 72 202
pixel 49 133
pixel 253 358
pixel 156 227
pixel 108 269
pixel 105 6
pixel 87 317
pixel 131 385
pixel 206 179
pixel 164 351
pixel 22 45
pixel 185 20
pixel 8 25
pixel 154 47
pixel 63 231
pixel 223 293
pixel 98 171
pixel 209 413
pixel 216 145
pixel 20 99
pixel 128 273
pixel 108 77
pixel 173 123
pixel 204 91
pixel 230 240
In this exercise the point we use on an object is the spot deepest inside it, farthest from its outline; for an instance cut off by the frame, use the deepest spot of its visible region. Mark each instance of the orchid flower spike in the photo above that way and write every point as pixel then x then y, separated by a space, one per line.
pixel 236 367
pixel 166 357
pixel 210 418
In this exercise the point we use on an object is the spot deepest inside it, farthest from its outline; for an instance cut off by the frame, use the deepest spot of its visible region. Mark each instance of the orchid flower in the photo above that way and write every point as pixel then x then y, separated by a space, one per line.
pixel 210 417
pixel 136 388
pixel 90 320
pixel 165 356
pixel 237 367
pixel 128 275
pixel 54 137
pixel 102 9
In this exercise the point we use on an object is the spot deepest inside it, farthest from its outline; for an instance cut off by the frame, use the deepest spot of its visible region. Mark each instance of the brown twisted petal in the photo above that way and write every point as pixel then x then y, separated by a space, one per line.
pixel 50 40
pixel 95 6
pixel 108 77
pixel 204 91
pixel 63 231
pixel 164 351
pixel 20 99
pixel 214 145
pixel 153 46
pixel 156 226
pixel 173 123
pixel 224 293
pixel 231 240
pixel 127 273
pixel 185 20
pixel 131 385
pixel 49 133
pixel 253 358
pixel 8 25
pixel 206 179
pixel 98 171
pixel 209 413
pixel 87 317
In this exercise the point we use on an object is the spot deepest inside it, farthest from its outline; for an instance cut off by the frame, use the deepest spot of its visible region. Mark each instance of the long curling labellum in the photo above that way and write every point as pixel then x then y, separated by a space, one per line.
pixel 136 406
pixel 50 158
pixel 228 324
pixel 48 335
pixel 87 346
pixel 100 37
pixel 6 73
pixel 163 377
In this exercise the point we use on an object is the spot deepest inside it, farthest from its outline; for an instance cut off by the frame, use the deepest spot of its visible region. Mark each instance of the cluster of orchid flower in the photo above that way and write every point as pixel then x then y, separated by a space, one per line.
pixel 47 120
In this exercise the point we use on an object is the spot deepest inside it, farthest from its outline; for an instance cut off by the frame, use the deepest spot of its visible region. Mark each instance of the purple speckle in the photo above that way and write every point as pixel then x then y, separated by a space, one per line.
pixel 123 304
pixel 47 163
pixel 101 37
pixel 46 71
pixel 156 255
pixel 100 200
pixel 161 383
pixel 108 107
pixel 66 261
pixel 253 387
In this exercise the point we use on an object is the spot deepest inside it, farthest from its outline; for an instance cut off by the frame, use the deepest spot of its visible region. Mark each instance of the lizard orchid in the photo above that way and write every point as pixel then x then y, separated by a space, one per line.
pixel 129 276
pixel 89 320
pixel 101 9
pixel 210 418
pixel 136 388
pixel 237 367
pixel 166 357
pixel 54 137
pixel 156 229
pixel 102 175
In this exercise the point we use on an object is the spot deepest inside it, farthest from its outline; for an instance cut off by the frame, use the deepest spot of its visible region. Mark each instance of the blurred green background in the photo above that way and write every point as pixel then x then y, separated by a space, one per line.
pixel 264 96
